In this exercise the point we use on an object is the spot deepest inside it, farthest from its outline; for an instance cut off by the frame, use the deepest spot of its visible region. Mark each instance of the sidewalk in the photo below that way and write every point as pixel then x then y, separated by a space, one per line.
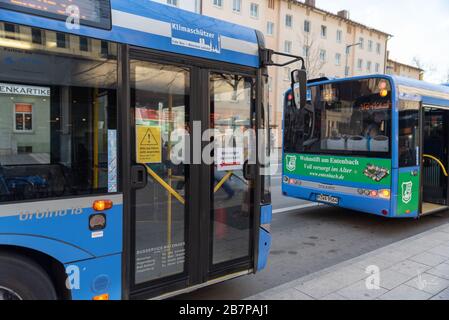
pixel 416 268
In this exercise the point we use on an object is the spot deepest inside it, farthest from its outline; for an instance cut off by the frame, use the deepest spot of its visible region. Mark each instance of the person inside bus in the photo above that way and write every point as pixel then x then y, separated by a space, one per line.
pixel 374 127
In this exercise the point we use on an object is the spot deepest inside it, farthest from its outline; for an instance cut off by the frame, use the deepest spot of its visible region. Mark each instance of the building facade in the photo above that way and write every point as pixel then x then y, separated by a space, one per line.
pixel 189 5
pixel 331 43
pixel 404 70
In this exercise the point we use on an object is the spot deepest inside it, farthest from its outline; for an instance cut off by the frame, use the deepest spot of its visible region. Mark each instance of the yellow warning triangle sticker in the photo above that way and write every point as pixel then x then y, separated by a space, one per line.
pixel 149 139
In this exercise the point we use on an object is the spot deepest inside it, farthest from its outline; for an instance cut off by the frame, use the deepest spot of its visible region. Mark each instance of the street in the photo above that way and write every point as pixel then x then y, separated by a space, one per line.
pixel 311 239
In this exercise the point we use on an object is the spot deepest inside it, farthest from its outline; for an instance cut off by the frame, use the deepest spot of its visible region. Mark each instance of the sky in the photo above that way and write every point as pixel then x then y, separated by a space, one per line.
pixel 419 28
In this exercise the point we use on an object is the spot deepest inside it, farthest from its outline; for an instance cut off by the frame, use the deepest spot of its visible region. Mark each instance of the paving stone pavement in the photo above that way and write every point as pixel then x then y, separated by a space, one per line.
pixel 416 268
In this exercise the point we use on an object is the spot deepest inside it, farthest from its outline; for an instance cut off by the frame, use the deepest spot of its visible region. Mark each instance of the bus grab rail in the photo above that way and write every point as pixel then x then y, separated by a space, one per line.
pixel 437 161
pixel 223 181
pixel 173 192
pixel 165 185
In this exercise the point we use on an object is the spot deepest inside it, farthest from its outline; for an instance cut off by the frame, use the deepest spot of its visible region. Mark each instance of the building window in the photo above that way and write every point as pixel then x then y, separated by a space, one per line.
pixel 370 45
pixel 368 66
pixel 323 31
pixel 287 46
pixel 306 26
pixel 84 44
pixel 323 55
pixel 23 119
pixel 360 64
pixel 337 59
pixel 10 31
pixel 346 71
pixel 172 2
pixel 288 20
pixel 61 40
pixel 254 9
pixel 237 6
pixel 378 48
pixel 377 67
pixel 218 3
pixel 36 36
pixel 270 28
pixel 271 4
pixel 362 43
pixel 339 36
pixel 305 51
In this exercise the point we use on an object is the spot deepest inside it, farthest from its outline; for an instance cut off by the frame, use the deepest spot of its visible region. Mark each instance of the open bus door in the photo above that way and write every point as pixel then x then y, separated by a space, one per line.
pixel 434 159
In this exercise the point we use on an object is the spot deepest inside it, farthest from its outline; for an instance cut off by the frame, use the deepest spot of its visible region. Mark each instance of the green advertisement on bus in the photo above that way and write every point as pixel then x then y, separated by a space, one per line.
pixel 408 192
pixel 344 169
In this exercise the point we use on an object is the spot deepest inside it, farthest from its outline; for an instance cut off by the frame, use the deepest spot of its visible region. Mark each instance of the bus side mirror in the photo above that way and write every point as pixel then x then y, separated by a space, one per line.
pixel 299 88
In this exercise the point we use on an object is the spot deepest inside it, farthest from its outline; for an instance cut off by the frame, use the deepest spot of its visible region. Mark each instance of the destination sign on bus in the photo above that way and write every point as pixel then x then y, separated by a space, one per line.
pixel 94 13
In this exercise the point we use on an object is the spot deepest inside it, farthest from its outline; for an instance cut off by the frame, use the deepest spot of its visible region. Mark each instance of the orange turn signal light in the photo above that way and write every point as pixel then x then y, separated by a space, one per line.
pixel 104 296
pixel 385 194
pixel 102 205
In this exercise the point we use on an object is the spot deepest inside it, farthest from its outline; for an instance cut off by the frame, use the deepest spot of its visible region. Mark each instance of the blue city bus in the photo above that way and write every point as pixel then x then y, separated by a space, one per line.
pixel 92 205
pixel 375 144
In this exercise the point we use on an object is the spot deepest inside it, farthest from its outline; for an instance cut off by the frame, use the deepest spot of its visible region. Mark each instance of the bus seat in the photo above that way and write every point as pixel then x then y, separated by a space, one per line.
pixel 357 143
pixel 336 143
pixel 34 181
pixel 379 144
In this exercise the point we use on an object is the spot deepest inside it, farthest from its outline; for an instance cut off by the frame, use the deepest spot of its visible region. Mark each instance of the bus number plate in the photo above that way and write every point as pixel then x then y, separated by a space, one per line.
pixel 327 199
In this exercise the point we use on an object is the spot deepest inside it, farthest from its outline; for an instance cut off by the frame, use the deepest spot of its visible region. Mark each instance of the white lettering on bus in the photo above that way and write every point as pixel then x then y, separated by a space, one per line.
pixel 48 214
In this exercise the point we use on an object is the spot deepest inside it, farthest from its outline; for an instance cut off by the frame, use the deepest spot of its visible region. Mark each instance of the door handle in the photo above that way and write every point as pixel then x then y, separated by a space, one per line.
pixel 248 171
pixel 139 177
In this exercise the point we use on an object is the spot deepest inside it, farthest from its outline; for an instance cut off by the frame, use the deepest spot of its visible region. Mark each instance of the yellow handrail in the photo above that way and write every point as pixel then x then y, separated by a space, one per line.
pixel 223 181
pixel 438 161
pixel 165 185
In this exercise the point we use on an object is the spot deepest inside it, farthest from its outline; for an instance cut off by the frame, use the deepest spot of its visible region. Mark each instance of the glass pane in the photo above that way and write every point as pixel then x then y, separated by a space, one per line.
pixel 19 121
pixel 58 114
pixel 28 121
pixel 160 96
pixel 347 118
pixel 231 102
pixel 409 133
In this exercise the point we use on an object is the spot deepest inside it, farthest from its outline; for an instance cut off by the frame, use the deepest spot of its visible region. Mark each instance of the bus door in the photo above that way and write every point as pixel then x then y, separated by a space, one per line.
pixel 435 157
pixel 191 212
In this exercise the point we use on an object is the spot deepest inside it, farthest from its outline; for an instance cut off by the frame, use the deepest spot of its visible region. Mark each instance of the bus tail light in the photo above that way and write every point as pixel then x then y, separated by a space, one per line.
pixel 102 205
pixel 104 296
pixel 385 194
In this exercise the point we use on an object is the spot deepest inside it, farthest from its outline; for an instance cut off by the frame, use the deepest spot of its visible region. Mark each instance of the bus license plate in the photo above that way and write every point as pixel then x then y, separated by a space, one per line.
pixel 327 199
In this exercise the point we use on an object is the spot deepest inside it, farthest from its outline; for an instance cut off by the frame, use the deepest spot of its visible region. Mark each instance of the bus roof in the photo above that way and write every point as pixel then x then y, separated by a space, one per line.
pixel 156 26
pixel 428 93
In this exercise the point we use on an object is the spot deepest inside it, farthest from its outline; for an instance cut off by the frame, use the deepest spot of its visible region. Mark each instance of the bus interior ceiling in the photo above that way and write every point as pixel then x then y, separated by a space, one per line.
pixel 435 159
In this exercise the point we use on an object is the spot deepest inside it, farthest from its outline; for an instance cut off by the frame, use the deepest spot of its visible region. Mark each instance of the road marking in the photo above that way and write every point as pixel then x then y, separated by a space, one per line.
pixel 303 206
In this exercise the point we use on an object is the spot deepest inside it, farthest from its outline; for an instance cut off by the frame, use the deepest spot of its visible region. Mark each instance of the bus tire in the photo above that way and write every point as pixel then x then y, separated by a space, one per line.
pixel 23 279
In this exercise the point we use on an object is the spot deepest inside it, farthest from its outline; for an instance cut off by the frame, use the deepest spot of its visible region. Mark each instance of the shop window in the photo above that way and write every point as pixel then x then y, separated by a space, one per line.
pixel 23 117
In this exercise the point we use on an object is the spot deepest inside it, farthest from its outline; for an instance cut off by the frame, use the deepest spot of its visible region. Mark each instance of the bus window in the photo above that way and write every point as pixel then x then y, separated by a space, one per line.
pixel 58 118
pixel 348 118
pixel 408 133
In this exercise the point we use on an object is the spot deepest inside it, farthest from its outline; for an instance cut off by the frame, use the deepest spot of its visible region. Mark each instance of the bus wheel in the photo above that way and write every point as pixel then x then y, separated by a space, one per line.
pixel 23 279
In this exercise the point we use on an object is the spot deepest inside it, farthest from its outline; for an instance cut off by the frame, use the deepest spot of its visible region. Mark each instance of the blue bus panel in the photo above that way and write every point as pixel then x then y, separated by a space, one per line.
pixel 156 26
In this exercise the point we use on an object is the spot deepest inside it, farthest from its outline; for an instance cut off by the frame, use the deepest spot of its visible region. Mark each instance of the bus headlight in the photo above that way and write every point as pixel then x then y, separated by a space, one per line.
pixel 385 194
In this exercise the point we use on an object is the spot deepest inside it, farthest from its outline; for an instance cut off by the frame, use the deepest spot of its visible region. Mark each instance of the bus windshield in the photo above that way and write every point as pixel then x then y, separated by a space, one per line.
pixel 344 118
